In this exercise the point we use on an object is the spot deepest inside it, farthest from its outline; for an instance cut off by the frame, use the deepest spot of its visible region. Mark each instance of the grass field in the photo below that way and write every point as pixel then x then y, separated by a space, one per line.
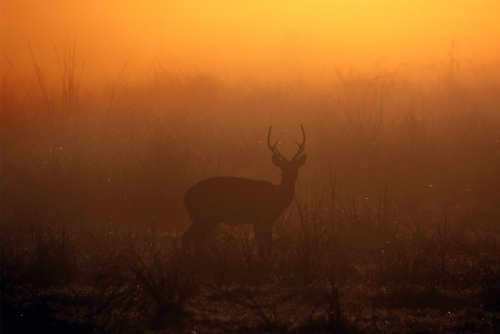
pixel 395 226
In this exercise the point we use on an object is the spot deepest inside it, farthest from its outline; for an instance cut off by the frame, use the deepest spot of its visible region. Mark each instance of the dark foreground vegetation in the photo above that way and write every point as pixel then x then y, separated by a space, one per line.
pixel 395 226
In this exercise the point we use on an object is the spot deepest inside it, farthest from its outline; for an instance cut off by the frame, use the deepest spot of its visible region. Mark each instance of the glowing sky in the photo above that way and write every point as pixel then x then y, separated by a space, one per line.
pixel 247 38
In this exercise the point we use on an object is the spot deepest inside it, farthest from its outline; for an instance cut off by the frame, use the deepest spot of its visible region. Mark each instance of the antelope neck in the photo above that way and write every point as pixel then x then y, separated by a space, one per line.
pixel 287 184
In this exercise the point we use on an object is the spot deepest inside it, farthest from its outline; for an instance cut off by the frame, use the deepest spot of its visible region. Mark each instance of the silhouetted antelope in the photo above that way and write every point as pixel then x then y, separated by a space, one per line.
pixel 235 200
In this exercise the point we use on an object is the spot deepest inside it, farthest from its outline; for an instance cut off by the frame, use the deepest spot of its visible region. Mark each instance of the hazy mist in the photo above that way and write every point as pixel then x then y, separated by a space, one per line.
pixel 242 40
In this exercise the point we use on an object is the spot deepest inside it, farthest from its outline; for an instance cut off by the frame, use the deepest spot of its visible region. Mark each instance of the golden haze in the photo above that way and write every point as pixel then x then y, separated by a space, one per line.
pixel 245 39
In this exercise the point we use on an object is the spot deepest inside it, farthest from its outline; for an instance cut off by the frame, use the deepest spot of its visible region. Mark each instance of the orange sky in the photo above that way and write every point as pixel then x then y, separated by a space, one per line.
pixel 268 39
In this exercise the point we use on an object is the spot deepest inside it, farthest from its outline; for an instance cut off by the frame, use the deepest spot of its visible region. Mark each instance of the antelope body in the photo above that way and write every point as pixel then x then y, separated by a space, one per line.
pixel 235 201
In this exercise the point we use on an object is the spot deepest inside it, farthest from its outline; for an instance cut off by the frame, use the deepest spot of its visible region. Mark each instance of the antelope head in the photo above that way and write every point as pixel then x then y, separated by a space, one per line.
pixel 289 168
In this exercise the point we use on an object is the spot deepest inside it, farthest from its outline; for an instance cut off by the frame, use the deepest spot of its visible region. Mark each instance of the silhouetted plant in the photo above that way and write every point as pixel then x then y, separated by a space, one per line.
pixel 53 258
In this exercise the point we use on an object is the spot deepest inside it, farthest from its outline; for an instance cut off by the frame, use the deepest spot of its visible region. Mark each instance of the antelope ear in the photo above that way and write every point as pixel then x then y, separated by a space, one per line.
pixel 302 160
pixel 276 160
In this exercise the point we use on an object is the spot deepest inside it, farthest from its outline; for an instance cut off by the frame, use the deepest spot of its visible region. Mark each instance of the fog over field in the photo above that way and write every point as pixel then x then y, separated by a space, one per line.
pixel 282 40
pixel 112 110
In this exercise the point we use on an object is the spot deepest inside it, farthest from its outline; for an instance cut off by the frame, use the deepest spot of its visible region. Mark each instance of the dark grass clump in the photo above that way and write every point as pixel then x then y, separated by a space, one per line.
pixel 42 257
